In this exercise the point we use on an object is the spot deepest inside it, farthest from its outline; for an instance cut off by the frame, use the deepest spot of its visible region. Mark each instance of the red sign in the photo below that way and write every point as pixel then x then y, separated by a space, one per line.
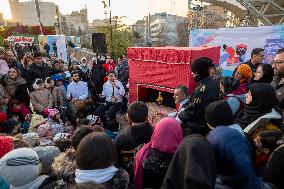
pixel 23 39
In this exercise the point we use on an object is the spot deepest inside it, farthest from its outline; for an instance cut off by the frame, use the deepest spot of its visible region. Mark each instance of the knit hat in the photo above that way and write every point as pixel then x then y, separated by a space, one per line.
pixel 20 166
pixel 9 125
pixel 35 122
pixel 31 138
pixel 245 71
pixel 57 77
pixel 61 136
pixel 6 145
pixel 46 155
pixel 219 113
pixel 35 84
pixel 94 120
pixel 50 112
pixel 43 130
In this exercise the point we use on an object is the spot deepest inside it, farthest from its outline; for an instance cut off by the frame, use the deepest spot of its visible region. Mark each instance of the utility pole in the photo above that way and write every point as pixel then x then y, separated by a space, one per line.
pixel 111 42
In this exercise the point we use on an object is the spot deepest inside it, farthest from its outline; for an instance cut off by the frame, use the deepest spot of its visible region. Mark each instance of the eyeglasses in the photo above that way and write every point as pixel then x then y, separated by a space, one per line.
pixel 277 62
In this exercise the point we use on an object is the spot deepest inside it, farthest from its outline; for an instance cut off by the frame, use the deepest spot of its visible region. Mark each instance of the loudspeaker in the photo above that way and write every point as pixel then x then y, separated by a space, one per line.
pixel 99 42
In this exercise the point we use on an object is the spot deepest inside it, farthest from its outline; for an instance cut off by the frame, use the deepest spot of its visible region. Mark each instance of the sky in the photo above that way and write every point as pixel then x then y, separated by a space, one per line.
pixel 132 9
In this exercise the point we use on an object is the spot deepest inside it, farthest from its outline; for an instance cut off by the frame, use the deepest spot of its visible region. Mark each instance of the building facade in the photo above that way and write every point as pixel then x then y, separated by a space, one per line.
pixel 77 20
pixel 26 14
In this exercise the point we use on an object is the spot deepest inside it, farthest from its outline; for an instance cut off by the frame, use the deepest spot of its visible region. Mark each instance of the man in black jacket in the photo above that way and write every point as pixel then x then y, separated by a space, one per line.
pixel 38 69
pixel 207 91
pixel 138 133
pixel 122 71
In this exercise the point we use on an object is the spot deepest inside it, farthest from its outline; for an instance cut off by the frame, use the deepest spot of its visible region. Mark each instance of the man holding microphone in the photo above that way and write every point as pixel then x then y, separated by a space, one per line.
pixel 113 92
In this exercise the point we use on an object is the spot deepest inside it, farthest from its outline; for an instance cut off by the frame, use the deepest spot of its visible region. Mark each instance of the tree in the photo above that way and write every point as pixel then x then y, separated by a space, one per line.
pixel 122 38
pixel 162 38
pixel 73 31
pixel 80 33
pixel 182 33
pixel 137 39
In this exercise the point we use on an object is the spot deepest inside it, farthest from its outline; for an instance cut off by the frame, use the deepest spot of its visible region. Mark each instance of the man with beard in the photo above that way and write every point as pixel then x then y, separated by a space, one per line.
pixel 77 89
pixel 38 69
pixel 207 91
pixel 278 66
pixel 12 62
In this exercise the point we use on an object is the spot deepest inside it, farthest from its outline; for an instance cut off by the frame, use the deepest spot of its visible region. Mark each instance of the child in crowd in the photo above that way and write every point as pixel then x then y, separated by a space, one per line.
pixel 20 109
pixel 41 97
pixel 45 133
pixel 54 120
pixel 11 127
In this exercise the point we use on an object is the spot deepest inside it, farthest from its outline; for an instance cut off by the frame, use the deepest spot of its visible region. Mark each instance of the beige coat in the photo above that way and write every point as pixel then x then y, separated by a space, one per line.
pixel 41 98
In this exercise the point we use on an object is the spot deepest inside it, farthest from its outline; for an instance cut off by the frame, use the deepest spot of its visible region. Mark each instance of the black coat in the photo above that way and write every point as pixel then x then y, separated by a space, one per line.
pixel 206 92
pixel 155 167
pixel 35 71
pixel 97 75
pixel 123 73
pixel 275 168
pixel 132 138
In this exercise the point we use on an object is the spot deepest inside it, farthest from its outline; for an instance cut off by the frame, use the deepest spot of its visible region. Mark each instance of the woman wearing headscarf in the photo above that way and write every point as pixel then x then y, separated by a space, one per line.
pixel 264 74
pixel 16 86
pixel 261 122
pixel 243 74
pixel 232 92
pixel 95 158
pixel 260 102
pixel 230 86
pixel 193 165
pixel 153 159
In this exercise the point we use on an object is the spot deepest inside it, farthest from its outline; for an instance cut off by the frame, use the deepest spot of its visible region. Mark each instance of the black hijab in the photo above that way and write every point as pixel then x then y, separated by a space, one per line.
pixel 268 73
pixel 263 101
pixel 193 165
pixel 230 84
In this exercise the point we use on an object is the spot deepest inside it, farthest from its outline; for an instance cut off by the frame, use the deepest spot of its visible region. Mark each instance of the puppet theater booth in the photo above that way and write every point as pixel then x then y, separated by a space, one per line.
pixel 154 73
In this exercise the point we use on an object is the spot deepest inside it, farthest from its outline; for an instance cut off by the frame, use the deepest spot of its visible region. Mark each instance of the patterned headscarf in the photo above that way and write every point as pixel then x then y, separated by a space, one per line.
pixel 245 71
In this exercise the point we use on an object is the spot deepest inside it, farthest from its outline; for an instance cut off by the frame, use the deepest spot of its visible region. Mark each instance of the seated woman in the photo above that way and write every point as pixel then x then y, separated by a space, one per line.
pixel 95 158
pixel 243 74
pixel 16 86
pixel 193 165
pixel 260 120
pixel 263 74
pixel 154 158
pixel 230 86
pixel 41 97
pixel 233 93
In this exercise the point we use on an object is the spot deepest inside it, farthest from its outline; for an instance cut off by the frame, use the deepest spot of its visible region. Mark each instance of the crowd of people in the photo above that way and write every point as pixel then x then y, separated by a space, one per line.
pixel 58 127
